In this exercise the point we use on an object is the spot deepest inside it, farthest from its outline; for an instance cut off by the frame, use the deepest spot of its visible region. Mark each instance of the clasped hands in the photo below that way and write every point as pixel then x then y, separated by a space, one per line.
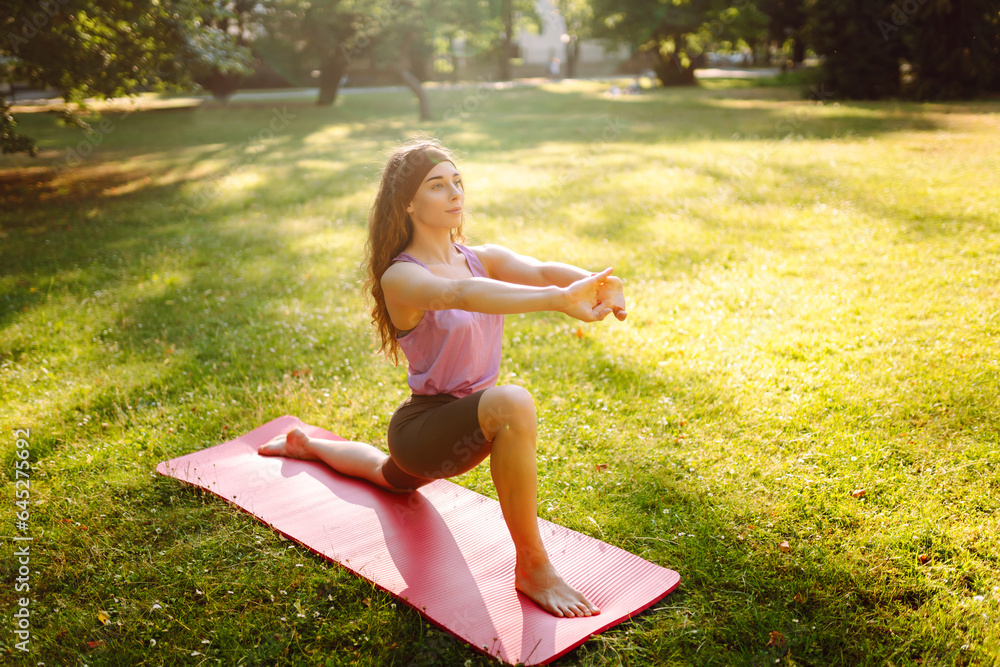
pixel 595 297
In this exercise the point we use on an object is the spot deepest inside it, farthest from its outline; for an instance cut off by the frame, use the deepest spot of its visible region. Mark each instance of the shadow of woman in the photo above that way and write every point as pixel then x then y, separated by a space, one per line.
pixel 443 549
pixel 413 554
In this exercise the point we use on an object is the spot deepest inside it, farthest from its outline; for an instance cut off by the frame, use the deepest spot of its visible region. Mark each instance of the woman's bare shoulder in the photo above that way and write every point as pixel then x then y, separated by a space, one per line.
pixel 398 271
pixel 492 256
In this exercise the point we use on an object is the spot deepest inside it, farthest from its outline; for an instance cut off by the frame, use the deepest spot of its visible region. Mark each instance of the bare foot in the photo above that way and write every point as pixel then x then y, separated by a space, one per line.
pixel 294 445
pixel 544 585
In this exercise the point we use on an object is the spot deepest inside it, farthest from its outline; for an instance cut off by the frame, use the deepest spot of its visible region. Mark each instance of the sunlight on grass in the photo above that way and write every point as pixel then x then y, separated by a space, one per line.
pixel 810 357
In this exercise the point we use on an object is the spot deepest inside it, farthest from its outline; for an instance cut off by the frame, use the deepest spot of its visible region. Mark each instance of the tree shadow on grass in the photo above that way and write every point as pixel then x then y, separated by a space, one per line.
pixel 99 226
pixel 918 216
pixel 500 125
pixel 747 588
pixel 170 304
pixel 742 598
pixel 511 119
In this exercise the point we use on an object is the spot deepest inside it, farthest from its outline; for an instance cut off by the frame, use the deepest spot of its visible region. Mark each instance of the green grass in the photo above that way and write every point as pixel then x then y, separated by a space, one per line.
pixel 813 295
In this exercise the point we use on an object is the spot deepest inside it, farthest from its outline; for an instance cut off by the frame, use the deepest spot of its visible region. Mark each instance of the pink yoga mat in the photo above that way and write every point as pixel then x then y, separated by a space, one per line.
pixel 443 549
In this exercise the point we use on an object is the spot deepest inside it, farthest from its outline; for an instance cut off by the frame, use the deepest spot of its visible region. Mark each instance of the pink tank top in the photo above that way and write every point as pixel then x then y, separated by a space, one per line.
pixel 453 351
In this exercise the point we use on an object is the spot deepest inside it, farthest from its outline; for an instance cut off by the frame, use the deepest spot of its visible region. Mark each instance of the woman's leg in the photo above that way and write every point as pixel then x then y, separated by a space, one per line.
pixel 355 459
pixel 507 417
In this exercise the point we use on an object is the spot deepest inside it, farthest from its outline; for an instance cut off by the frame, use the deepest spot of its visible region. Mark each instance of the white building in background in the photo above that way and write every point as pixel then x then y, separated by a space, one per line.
pixel 537 50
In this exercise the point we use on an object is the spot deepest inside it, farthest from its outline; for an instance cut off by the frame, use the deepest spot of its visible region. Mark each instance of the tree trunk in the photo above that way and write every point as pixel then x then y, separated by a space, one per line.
pixel 507 17
pixel 671 72
pixel 572 56
pixel 413 83
pixel 402 67
pixel 420 54
pixel 798 50
pixel 454 59
pixel 330 73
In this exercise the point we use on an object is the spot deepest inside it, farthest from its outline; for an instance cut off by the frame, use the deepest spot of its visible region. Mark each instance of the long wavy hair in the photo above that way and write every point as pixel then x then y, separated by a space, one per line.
pixel 390 231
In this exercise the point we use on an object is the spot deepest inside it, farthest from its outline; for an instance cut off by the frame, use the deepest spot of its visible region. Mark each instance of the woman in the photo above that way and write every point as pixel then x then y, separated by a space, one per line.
pixel 443 304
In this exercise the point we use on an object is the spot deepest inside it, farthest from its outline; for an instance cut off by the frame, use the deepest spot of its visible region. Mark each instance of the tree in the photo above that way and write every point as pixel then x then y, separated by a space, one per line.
pixel 741 22
pixel 11 141
pixel 787 20
pixel 858 62
pixel 673 32
pixel 506 38
pixel 334 33
pixel 109 48
pixel 579 17
pixel 326 35
pixel 512 16
pixel 951 47
pixel 478 28
pixel 408 48
pixel 241 19
pixel 928 49
pixel 459 30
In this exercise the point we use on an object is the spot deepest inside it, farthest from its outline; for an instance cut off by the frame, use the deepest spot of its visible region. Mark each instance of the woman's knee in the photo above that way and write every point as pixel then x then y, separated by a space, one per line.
pixel 507 406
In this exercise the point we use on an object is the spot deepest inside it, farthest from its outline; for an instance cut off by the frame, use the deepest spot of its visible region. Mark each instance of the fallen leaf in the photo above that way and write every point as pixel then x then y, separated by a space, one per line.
pixel 96 643
pixel 858 493
pixel 367 602
pixel 776 639
pixel 923 558
pixel 785 547
pixel 103 617
pixel 800 598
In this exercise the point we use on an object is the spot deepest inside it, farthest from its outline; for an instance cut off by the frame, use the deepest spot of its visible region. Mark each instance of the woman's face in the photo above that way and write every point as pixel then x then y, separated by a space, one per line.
pixel 438 201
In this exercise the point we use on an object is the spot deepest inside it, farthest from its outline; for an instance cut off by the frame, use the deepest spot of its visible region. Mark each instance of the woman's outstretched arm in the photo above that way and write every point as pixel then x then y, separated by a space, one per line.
pixel 508 266
pixel 414 288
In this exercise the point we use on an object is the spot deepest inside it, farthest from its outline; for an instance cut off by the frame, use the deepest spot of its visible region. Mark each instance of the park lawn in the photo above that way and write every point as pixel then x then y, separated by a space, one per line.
pixel 800 414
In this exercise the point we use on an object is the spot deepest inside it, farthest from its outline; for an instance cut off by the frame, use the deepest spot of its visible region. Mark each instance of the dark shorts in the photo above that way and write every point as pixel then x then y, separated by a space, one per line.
pixel 432 437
